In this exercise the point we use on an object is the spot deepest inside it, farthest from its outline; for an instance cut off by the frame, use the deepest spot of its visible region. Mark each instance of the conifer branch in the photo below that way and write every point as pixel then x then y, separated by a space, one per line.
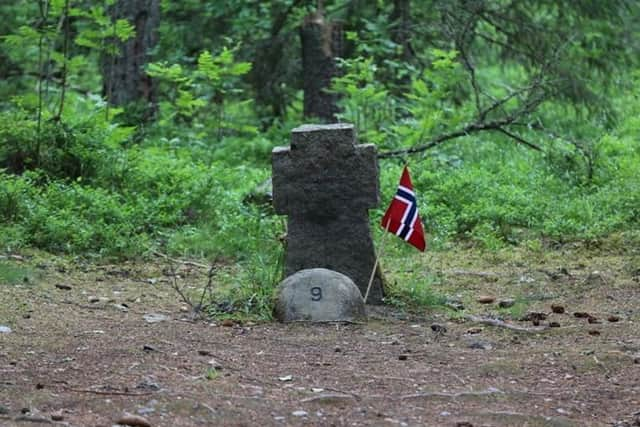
pixel 535 96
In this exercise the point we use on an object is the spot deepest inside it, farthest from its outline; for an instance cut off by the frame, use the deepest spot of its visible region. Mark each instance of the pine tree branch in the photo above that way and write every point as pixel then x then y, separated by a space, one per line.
pixel 519 139
pixel 528 106
pixel 467 130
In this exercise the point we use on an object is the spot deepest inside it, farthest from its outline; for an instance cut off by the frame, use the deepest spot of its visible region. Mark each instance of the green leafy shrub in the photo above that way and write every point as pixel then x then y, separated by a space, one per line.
pixel 71 147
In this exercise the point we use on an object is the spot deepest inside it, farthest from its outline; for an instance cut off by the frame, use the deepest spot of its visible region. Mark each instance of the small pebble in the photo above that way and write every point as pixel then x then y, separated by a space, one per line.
pixel 473 331
pixel 594 332
pixel 486 299
pixel 438 328
pixel 581 314
pixel 5 329
pixel 479 345
pixel 133 421
pixel 57 416
pixel 63 287
pixel 155 317
pixel 613 318
pixel 592 319
pixel 145 410
pixel 554 324
pixel 122 307
pixel 148 384
pixel 402 357
pixel 215 364
pixel 300 413
pixel 227 323
pixel 506 303
pixel 557 308
pixel 454 305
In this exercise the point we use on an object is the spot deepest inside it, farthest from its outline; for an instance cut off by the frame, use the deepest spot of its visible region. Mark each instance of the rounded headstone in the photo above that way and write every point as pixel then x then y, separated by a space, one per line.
pixel 318 295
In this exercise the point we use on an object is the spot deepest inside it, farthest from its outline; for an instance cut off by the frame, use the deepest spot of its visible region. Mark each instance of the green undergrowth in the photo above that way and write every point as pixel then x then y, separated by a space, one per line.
pixel 12 274
pixel 89 187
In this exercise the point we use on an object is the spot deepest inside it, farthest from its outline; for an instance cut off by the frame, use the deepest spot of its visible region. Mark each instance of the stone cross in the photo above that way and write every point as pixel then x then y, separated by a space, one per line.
pixel 325 183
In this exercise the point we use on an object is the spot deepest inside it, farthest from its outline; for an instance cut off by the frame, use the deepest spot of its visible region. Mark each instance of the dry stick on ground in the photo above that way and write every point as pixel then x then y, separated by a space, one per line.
pixel 437 394
pixel 32 419
pixel 208 288
pixel 107 393
pixel 196 308
pixel 178 261
pixel 176 287
pixel 499 323
pixel 459 272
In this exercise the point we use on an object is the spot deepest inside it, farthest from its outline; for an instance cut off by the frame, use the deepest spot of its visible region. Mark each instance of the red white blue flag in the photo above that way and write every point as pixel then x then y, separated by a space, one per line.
pixel 402 217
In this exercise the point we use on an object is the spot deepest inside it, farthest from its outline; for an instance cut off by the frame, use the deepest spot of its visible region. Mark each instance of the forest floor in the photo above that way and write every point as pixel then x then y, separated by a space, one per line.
pixel 90 343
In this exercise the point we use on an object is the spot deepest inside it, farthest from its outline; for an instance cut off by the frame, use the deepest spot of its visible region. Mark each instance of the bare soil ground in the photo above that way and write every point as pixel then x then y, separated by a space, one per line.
pixel 83 353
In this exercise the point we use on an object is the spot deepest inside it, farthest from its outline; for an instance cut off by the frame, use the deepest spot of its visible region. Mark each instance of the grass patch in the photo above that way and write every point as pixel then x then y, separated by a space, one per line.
pixel 517 310
pixel 413 291
pixel 11 274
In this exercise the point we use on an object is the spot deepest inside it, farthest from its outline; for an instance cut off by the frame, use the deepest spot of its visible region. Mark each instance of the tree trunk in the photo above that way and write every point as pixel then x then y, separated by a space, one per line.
pixel 124 77
pixel 401 27
pixel 322 43
pixel 275 68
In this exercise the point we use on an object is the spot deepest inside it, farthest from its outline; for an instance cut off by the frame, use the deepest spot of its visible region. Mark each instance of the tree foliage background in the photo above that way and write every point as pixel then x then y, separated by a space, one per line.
pixel 129 127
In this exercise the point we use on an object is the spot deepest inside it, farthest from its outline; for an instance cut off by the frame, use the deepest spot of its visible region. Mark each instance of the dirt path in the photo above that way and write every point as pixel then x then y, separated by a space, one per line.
pixel 87 355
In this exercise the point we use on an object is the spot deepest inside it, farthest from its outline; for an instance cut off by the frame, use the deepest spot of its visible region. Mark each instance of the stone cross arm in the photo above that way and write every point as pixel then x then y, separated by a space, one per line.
pixel 323 171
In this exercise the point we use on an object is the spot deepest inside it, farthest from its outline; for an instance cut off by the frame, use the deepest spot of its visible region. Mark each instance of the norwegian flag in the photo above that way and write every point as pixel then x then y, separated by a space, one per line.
pixel 402 217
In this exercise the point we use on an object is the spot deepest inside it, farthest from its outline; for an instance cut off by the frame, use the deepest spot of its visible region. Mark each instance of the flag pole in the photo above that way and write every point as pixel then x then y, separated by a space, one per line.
pixel 375 264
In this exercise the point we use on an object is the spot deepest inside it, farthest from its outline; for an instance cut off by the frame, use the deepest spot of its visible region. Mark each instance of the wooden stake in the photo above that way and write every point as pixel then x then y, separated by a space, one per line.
pixel 375 264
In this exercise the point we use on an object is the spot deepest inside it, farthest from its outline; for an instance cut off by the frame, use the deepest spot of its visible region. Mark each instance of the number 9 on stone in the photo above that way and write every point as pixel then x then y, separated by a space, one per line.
pixel 316 293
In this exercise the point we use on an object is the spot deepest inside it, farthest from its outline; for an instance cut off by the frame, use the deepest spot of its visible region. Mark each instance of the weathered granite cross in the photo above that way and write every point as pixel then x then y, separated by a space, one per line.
pixel 325 184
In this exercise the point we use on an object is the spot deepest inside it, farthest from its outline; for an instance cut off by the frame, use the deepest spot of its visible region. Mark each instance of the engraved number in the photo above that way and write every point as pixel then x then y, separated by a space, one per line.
pixel 316 293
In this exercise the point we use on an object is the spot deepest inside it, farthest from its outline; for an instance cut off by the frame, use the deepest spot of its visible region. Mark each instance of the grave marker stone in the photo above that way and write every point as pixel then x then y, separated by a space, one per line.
pixel 326 183
pixel 318 295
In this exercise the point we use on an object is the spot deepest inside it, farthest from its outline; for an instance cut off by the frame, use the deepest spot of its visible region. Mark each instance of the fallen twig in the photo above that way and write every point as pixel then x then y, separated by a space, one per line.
pixel 356 396
pixel 436 394
pixel 472 273
pixel 327 397
pixel 107 393
pixel 32 419
pixel 501 324
pixel 179 261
